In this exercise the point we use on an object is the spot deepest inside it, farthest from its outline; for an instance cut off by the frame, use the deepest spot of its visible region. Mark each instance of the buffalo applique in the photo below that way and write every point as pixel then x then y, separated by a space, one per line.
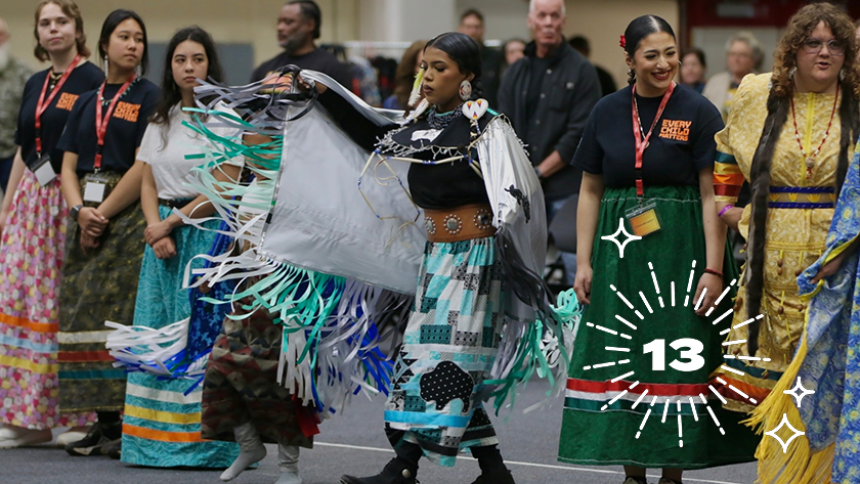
pixel 445 383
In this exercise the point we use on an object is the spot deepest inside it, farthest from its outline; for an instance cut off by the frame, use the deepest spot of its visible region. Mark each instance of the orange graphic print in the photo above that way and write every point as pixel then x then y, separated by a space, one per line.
pixel 67 101
pixel 127 111
pixel 676 130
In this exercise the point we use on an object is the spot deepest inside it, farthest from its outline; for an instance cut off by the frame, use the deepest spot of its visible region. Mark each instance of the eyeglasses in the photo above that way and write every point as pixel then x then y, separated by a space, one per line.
pixel 814 46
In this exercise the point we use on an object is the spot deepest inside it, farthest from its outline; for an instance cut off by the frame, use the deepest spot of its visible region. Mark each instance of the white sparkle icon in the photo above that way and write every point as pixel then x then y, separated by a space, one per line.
pixel 614 238
pixel 798 392
pixel 796 434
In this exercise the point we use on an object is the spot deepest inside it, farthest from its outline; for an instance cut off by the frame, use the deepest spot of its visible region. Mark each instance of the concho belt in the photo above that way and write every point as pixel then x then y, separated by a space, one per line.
pixel 461 223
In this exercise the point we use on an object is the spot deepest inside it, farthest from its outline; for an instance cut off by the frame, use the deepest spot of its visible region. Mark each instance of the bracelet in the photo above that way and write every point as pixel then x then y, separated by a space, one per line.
pixel 538 173
pixel 725 209
pixel 714 272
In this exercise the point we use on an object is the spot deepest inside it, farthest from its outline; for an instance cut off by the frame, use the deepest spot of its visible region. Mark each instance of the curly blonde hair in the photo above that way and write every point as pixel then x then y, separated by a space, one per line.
pixel 798 30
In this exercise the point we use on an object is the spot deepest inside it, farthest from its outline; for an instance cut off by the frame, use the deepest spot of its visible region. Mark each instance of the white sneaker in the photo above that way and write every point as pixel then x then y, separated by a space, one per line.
pixel 12 436
pixel 74 434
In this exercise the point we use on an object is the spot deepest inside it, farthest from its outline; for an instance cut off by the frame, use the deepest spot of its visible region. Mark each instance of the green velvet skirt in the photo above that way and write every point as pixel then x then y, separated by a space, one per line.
pixel 638 389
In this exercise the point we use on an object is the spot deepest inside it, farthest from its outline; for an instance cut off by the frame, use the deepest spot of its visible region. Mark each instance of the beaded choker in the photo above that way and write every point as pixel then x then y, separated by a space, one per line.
pixel 441 121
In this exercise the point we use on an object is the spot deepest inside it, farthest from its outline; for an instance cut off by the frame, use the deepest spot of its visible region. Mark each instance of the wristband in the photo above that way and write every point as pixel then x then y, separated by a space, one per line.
pixel 537 172
pixel 725 209
pixel 714 272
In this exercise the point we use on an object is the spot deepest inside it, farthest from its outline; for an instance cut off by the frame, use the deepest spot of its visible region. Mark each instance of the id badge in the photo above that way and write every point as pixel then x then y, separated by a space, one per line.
pixel 643 219
pixel 95 188
pixel 44 171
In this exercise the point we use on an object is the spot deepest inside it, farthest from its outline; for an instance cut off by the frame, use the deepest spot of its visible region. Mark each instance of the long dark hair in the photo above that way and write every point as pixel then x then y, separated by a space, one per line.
pixel 170 92
pixel 463 50
pixel 778 107
pixel 115 18
pixel 640 28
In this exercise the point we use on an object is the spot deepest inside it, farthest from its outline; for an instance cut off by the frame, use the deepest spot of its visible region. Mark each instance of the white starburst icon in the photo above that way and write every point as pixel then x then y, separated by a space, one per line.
pixel 628 237
pixel 798 392
pixel 785 422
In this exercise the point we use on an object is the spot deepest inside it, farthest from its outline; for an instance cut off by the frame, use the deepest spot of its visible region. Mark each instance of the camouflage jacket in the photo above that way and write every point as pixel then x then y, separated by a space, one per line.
pixel 12 81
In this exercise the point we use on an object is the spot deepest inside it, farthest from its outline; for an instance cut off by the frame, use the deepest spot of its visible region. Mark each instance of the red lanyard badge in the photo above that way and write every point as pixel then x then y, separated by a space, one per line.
pixel 42 104
pixel 642 144
pixel 102 122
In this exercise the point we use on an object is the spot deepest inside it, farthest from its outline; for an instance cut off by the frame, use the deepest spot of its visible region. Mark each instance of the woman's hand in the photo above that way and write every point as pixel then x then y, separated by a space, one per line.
pixel 157 231
pixel 582 284
pixel 714 285
pixel 92 222
pixel 164 248
pixel 88 242
pixel 732 217
pixel 831 267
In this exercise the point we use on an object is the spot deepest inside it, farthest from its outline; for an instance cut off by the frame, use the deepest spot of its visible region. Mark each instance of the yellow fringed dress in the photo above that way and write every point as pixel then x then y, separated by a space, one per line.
pixel 795 237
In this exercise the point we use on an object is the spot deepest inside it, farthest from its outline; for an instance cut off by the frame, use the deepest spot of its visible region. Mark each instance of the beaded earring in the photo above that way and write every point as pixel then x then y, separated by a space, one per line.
pixel 465 90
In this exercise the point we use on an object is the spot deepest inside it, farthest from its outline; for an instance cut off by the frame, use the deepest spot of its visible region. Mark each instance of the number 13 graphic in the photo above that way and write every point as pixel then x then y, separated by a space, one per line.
pixel 691 351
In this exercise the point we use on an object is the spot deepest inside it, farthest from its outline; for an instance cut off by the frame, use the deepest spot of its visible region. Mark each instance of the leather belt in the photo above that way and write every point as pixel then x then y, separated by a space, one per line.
pixel 466 222
pixel 175 203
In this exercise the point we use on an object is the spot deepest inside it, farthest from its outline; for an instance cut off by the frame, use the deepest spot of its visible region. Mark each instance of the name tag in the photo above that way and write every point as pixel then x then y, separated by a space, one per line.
pixel 44 171
pixel 95 188
pixel 643 220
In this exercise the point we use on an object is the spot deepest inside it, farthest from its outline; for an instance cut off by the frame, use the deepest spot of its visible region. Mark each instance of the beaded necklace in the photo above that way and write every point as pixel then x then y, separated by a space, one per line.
pixel 810 159
pixel 105 102
pixel 441 121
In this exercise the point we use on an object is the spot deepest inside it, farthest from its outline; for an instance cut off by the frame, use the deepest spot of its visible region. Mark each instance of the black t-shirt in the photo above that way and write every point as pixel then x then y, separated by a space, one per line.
pixel 437 187
pixel 682 142
pixel 84 78
pixel 316 60
pixel 125 129
pixel 446 185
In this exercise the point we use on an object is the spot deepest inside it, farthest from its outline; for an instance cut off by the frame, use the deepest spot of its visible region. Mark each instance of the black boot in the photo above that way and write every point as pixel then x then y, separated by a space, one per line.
pixel 493 470
pixel 395 472
pixel 400 470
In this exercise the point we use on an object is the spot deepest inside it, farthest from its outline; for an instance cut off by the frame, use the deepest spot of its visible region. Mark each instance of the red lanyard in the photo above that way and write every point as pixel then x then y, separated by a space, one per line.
pixel 102 122
pixel 642 144
pixel 42 105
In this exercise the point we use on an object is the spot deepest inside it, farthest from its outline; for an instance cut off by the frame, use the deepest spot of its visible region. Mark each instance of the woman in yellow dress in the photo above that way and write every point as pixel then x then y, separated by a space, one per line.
pixel 790 134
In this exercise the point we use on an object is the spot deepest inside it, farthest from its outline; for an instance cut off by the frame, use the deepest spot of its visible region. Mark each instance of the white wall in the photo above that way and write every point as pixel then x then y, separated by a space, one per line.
pixel 405 20
pixel 251 21
pixel 504 19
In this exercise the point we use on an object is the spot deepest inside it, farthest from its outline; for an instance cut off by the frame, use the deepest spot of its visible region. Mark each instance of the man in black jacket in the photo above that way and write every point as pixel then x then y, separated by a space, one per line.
pixel 298 28
pixel 549 95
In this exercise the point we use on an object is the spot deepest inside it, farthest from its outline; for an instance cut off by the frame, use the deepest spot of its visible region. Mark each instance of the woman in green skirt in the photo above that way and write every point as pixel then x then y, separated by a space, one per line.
pixel 638 392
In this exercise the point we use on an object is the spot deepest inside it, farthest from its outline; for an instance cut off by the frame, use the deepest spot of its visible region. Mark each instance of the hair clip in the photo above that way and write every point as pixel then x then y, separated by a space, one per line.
pixel 623 42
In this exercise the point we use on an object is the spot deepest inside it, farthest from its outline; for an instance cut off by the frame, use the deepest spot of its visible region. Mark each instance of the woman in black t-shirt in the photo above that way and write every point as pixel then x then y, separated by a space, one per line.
pixel 33 221
pixel 101 182
pixel 647 157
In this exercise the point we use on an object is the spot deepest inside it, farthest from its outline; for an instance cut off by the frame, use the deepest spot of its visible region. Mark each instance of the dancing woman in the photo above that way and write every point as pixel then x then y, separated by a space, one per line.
pixel 452 337
pixel 790 135
pixel 808 115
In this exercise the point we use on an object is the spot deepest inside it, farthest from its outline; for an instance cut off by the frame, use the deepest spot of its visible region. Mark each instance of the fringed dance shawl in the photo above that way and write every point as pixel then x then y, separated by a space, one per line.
pixel 333 247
